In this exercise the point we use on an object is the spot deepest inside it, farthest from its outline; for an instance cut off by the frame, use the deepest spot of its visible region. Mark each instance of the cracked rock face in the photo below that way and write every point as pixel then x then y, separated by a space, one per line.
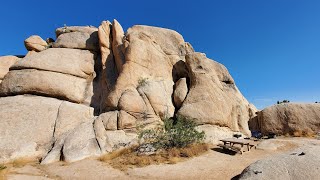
pixel 88 94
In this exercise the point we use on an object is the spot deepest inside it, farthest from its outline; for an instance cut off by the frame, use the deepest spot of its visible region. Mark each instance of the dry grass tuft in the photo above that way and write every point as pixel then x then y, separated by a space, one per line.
pixel 3 172
pixel 22 162
pixel 17 163
pixel 128 158
pixel 297 133
pixel 115 154
pixel 308 133
pixel 304 133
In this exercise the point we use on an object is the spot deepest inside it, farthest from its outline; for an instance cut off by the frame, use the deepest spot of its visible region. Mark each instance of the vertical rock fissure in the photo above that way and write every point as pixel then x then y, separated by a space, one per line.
pixel 95 135
pixel 54 128
pixel 150 103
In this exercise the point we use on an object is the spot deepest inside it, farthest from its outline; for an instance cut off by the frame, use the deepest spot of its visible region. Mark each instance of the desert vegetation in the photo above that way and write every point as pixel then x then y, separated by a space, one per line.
pixel 174 133
pixel 282 102
pixel 173 141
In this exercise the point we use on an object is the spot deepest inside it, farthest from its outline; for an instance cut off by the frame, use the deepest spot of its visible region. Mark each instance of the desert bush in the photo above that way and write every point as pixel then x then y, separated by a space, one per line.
pixel 2 167
pixel 142 82
pixel 174 133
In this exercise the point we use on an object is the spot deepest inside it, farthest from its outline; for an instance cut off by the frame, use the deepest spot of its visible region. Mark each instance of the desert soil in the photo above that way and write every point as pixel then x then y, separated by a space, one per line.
pixel 212 165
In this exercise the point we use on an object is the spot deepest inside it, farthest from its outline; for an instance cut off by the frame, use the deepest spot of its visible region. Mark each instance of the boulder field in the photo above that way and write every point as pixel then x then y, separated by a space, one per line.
pixel 88 92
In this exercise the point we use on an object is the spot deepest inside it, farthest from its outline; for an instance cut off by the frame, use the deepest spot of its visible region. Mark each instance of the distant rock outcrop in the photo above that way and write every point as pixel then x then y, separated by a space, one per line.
pixel 288 118
pixel 88 94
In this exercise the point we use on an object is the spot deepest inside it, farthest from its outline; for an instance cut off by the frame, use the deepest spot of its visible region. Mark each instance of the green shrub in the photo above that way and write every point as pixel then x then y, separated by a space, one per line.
pixel 142 82
pixel 177 133
pixel 2 167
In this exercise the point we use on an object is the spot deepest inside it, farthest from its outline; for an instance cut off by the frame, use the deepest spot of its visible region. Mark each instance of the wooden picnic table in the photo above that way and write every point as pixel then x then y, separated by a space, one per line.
pixel 230 142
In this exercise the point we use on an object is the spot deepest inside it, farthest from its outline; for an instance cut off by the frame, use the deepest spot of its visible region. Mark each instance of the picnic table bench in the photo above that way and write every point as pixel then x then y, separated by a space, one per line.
pixel 230 142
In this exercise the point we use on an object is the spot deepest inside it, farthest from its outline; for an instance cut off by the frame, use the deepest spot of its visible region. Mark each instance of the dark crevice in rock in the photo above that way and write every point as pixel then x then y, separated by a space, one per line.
pixel 118 120
pixel 95 80
pixel 95 135
pixel 39 69
pixel 227 82
pixel 54 129
pixel 20 56
pixel 55 96
pixel 61 154
pixel 179 70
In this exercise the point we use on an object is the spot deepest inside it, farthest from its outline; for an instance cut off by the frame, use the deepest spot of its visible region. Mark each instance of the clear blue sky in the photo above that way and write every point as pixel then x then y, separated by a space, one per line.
pixel 271 47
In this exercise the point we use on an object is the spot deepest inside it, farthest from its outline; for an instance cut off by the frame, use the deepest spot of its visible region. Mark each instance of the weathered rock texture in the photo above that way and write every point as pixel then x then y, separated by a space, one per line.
pixel 5 63
pixel 91 92
pixel 77 37
pixel 299 119
pixel 35 125
pixel 213 97
pixel 61 73
pixel 301 163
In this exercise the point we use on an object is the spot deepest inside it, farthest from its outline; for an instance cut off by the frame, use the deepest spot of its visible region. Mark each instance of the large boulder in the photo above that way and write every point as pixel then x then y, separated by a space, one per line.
pixel 291 118
pixel 213 97
pixel 73 137
pixel 74 62
pixel 117 44
pixel 302 163
pixel 77 37
pixel 81 143
pixel 26 126
pixel 69 29
pixel 5 63
pixel 35 43
pixel 33 126
pixel 78 40
pixel 31 81
pixel 66 74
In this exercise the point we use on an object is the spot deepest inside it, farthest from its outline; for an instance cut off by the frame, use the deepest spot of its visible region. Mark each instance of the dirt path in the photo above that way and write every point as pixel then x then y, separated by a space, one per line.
pixel 211 165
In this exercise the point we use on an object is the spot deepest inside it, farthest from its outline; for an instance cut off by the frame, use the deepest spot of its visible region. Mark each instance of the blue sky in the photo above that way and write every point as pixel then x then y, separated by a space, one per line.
pixel 271 47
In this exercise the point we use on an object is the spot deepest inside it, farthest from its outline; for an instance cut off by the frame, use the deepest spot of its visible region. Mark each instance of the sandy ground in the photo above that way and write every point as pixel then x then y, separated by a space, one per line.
pixel 211 165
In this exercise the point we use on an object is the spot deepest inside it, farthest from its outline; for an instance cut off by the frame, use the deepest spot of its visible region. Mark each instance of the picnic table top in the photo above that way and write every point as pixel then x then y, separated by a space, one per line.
pixel 237 141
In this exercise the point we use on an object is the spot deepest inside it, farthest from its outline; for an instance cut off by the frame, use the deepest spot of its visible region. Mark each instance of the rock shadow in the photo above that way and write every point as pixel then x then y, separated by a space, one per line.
pixel 224 151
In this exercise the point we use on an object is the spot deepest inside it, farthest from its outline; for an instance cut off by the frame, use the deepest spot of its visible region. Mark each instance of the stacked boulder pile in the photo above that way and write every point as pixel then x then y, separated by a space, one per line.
pixel 91 90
